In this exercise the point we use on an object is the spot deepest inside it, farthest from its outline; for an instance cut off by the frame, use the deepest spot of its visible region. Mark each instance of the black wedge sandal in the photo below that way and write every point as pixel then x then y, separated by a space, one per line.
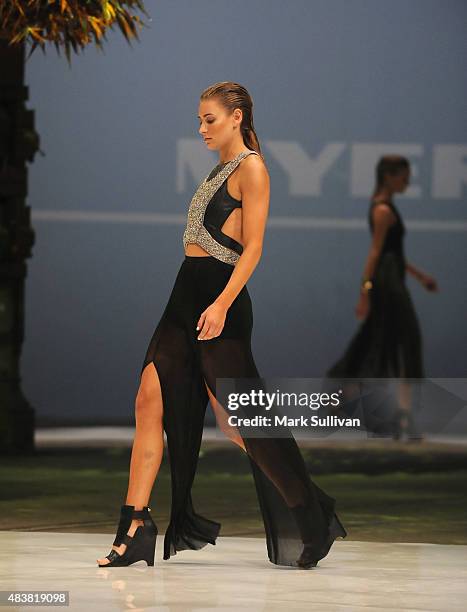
pixel 139 547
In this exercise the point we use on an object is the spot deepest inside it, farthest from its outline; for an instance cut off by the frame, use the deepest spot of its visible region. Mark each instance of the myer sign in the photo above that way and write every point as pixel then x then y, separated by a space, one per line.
pixel 305 172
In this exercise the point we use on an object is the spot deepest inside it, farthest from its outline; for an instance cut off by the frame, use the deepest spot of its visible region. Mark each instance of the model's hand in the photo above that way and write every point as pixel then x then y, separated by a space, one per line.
pixel 429 283
pixel 211 321
pixel 363 307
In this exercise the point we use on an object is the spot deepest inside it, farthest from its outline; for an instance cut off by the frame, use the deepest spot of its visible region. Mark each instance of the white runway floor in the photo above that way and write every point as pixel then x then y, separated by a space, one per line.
pixel 236 575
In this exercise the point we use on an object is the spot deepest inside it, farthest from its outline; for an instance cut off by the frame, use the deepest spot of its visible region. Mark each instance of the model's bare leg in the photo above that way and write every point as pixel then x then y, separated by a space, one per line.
pixel 406 407
pixel 405 396
pixel 222 421
pixel 292 495
pixel 404 401
pixel 148 446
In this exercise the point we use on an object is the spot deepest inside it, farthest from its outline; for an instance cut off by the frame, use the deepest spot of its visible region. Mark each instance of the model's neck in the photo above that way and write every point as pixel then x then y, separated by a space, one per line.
pixel 385 193
pixel 231 153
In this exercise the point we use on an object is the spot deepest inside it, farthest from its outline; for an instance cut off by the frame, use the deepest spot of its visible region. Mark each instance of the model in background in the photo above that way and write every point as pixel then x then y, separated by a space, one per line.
pixel 388 343
pixel 205 334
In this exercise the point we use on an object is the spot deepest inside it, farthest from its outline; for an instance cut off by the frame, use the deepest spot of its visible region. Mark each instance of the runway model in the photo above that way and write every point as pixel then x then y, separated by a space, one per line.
pixel 388 343
pixel 205 334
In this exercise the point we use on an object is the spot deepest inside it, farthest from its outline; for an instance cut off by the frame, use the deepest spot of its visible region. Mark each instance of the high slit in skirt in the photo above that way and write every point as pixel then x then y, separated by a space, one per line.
pixel 185 366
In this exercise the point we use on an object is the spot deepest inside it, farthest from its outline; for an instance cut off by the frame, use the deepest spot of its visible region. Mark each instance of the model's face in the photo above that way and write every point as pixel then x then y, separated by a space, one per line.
pixel 216 125
pixel 399 182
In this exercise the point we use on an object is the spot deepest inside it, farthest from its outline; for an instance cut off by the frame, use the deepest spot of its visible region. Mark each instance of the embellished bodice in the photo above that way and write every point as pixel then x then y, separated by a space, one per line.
pixel 209 208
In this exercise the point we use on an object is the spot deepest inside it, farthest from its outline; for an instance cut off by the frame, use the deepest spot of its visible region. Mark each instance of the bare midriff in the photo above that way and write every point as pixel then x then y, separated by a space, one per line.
pixel 194 250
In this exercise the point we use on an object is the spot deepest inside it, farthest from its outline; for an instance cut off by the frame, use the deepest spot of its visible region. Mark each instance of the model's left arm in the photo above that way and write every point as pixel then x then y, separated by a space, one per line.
pixel 254 185
pixel 425 279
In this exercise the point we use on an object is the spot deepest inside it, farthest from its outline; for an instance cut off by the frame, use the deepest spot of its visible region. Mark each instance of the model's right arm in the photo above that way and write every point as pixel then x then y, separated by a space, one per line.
pixel 255 190
pixel 254 185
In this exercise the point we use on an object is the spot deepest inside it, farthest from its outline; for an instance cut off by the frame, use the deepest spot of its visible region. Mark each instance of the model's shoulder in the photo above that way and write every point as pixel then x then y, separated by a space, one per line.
pixel 382 212
pixel 253 165
pixel 253 177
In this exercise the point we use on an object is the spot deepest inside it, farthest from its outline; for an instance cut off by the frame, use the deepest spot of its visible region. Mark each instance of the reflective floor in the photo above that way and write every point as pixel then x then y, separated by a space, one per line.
pixel 123 436
pixel 236 575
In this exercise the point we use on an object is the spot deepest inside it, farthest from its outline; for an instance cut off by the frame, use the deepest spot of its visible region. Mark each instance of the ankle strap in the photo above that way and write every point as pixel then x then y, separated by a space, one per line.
pixel 130 512
pixel 140 514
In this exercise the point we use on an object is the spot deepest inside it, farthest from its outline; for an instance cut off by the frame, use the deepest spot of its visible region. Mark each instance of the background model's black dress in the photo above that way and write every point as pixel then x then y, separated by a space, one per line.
pixel 183 364
pixel 386 346
pixel 388 342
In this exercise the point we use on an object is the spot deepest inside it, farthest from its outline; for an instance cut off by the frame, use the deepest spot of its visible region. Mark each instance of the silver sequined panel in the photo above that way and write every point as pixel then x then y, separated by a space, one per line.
pixel 195 231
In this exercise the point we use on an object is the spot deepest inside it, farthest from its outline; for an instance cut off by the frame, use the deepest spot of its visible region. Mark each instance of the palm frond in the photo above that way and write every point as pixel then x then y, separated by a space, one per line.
pixel 68 23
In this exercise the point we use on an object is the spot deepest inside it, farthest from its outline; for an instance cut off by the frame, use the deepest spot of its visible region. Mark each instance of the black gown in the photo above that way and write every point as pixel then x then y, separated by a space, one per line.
pixel 294 509
pixel 388 342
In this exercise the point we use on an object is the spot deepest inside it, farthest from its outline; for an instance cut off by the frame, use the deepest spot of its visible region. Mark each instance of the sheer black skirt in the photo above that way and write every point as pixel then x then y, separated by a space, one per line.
pixel 388 343
pixel 294 509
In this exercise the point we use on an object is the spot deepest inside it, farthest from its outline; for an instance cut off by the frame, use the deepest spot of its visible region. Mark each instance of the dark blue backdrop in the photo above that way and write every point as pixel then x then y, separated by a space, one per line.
pixel 335 83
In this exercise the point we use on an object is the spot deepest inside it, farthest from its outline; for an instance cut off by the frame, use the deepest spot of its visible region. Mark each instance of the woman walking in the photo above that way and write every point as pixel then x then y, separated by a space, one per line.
pixel 205 334
pixel 388 343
